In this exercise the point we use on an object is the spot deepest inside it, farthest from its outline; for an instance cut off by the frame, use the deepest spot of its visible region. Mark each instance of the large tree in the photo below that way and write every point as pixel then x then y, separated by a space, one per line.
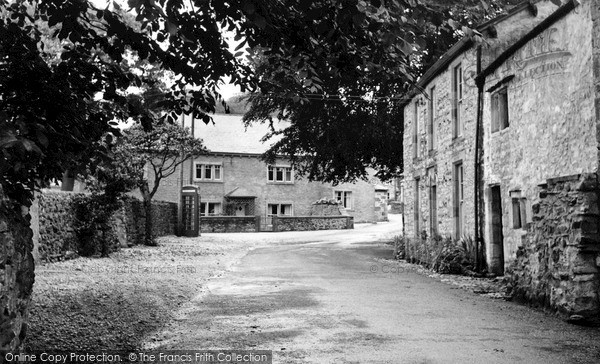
pixel 343 75
pixel 152 156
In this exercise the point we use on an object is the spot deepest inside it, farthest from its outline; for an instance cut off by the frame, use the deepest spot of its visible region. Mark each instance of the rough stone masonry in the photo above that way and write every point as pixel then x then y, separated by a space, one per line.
pixel 557 264
pixel 16 273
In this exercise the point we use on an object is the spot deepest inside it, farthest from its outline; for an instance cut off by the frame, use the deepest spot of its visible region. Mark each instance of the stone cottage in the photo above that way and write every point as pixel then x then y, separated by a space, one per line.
pixel 234 181
pixel 503 146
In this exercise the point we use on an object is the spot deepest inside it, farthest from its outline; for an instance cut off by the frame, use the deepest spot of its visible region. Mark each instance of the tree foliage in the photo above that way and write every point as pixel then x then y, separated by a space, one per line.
pixel 63 77
pixel 64 74
pixel 150 157
pixel 341 82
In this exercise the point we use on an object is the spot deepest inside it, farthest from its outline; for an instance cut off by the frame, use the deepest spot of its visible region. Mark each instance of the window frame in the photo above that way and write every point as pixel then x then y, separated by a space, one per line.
pixel 457 100
pixel 459 198
pixel 287 174
pixel 417 207
pixel 500 114
pixel 433 205
pixel 347 196
pixel 432 140
pixel 213 168
pixel 415 135
pixel 279 208
pixel 205 205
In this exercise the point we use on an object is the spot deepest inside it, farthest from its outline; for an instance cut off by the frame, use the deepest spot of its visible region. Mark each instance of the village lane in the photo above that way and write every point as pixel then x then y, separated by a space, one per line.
pixel 333 297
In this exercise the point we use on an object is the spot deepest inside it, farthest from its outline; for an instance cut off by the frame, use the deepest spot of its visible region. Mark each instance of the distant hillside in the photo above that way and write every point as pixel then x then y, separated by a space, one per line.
pixel 238 105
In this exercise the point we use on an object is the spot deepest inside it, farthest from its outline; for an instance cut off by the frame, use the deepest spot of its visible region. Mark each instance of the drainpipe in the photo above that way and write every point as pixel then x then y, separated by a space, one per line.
pixel 478 160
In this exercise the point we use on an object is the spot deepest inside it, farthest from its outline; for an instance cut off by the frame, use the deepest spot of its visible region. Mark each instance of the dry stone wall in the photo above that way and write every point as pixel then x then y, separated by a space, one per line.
pixel 16 273
pixel 557 265
pixel 55 223
pixel 306 223
pixel 229 224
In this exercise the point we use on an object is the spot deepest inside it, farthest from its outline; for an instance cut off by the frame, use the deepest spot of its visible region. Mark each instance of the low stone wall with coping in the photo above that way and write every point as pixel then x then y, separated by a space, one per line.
pixel 229 224
pixel 307 223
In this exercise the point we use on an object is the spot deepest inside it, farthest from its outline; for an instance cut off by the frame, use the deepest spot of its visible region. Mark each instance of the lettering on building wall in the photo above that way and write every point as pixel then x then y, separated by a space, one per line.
pixel 543 56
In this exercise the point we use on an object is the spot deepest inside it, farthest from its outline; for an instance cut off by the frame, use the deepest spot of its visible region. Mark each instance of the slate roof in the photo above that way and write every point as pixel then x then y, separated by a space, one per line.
pixel 229 135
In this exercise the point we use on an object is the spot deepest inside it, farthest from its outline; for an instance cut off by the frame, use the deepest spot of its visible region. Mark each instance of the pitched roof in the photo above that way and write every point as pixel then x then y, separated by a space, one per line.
pixel 229 135
pixel 240 192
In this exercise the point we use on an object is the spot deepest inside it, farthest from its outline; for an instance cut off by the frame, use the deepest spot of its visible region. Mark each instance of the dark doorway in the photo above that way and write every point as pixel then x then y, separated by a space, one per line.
pixel 497 241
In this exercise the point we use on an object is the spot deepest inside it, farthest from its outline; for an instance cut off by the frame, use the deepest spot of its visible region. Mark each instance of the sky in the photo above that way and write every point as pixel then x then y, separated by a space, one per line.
pixel 227 90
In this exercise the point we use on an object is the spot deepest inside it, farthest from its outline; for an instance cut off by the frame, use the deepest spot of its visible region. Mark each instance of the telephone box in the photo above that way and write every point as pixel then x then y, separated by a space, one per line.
pixel 190 203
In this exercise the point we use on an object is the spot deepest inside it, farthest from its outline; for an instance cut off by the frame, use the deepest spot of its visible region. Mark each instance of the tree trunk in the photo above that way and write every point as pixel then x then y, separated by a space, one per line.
pixel 148 226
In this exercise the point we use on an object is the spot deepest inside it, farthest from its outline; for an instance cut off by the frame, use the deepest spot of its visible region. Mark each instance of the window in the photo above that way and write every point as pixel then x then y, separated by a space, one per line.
pixel 433 221
pixel 208 172
pixel 457 96
pixel 210 208
pixel 279 174
pixel 459 199
pixel 431 127
pixel 499 110
pixel 519 210
pixel 345 197
pixel 416 130
pixel 417 215
pixel 277 209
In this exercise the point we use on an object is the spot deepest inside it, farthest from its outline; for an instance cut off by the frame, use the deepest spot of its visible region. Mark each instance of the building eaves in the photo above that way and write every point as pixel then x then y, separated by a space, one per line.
pixel 537 30
pixel 530 5
pixel 460 47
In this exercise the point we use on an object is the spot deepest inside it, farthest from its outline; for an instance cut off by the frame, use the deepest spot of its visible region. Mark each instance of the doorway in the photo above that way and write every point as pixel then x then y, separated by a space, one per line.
pixel 497 238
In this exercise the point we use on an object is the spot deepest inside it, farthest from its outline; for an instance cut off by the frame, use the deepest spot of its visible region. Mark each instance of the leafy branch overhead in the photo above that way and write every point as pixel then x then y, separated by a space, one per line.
pixel 340 76
pixel 65 71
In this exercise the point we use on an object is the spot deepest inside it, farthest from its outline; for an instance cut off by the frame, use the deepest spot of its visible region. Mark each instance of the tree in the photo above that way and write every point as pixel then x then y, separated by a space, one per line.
pixel 160 151
pixel 340 84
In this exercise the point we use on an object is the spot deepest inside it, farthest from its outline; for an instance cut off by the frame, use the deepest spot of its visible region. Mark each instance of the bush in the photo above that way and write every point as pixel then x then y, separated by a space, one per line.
pixel 93 225
pixel 441 254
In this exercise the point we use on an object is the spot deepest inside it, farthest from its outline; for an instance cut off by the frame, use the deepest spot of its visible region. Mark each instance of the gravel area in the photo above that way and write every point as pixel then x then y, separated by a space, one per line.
pixel 90 304
pixel 491 287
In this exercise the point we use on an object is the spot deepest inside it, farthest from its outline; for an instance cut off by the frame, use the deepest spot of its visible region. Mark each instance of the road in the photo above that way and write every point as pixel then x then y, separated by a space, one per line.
pixel 329 297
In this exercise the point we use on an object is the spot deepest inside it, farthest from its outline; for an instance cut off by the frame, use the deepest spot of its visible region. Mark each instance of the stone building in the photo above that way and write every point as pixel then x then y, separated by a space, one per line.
pixel 505 149
pixel 234 181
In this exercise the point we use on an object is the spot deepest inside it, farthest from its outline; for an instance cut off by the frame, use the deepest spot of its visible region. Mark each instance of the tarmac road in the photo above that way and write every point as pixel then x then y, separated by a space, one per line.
pixel 328 298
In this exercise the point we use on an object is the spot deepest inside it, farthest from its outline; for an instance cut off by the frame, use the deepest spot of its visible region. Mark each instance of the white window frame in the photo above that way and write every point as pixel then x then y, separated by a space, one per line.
pixel 457 100
pixel 213 168
pixel 279 208
pixel 207 205
pixel 287 173
pixel 499 109
pixel 344 198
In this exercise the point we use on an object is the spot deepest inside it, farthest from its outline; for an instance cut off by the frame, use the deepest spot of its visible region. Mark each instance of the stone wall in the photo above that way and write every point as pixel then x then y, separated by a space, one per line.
pixel 229 224
pixel 16 273
pixel 552 127
pixel 438 165
pixel 557 264
pixel 305 223
pixel 55 223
